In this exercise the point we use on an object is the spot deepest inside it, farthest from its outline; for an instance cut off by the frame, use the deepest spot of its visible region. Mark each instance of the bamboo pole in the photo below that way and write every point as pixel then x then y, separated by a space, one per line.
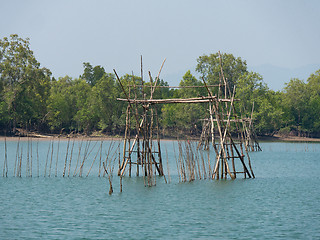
pixel 177 164
pixel 109 178
pixel 20 161
pixel 129 127
pixel 95 157
pixel 31 157
pixel 51 158
pixel 5 163
pixel 86 155
pixel 57 158
pixel 125 138
pixel 28 160
pixel 232 161
pixel 66 159
pixel 17 157
pixel 71 157
pixel 212 130
pixel 202 86
pixel 168 167
pixel 139 160
pixel 45 168
pixel 159 147
pixel 78 158
pixel 100 158
pixel 174 100
pixel 203 165
pixel 38 165
pixel 209 164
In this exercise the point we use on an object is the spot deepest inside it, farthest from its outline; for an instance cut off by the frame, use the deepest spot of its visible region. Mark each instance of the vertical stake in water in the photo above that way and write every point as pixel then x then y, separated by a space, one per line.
pixel 5 163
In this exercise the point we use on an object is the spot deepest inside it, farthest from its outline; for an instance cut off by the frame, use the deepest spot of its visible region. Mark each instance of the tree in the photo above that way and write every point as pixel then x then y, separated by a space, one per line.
pixel 269 114
pixel 84 118
pixel 61 104
pixel 295 102
pixel 209 68
pixel 312 118
pixel 68 105
pixel 250 87
pixel 104 104
pixel 92 74
pixel 24 85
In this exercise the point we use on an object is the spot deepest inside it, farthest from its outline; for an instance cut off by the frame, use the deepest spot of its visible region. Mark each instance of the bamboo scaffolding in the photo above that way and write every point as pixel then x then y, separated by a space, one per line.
pixel 144 132
pixel 222 120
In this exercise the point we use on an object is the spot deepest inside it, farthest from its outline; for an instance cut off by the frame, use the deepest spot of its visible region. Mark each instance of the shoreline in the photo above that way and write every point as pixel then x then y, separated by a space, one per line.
pixel 41 137
pixel 278 138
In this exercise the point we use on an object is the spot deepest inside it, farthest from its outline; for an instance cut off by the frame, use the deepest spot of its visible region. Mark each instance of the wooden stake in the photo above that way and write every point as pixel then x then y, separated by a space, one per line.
pixel 95 157
pixel 5 163
pixel 57 157
pixel 45 168
pixel 66 159
pixel 38 165
pixel 78 158
pixel 51 159
pixel 17 158
pixel 70 158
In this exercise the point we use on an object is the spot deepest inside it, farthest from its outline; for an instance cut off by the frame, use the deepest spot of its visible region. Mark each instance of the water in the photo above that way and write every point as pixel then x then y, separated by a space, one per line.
pixel 282 202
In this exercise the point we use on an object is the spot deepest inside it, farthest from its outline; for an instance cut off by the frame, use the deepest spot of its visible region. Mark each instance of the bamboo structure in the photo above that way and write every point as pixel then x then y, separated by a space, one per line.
pixel 225 131
pixel 143 150
pixel 230 135
pixel 250 135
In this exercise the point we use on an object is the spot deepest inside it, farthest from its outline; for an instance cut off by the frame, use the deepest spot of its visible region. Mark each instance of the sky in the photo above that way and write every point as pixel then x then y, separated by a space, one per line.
pixel 278 38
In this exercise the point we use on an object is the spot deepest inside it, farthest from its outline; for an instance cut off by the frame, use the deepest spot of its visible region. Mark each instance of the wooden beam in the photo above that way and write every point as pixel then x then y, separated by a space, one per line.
pixel 175 100
pixel 202 86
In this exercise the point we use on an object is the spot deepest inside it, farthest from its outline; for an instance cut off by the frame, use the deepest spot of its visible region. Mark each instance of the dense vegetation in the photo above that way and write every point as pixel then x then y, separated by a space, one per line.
pixel 30 98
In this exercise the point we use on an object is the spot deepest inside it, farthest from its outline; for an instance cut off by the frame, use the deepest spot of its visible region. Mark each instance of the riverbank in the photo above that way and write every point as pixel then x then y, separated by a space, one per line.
pixel 98 137
pixel 278 138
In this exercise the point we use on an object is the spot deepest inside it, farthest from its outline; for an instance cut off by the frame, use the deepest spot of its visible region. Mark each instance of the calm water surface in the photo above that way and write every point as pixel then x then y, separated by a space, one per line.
pixel 282 202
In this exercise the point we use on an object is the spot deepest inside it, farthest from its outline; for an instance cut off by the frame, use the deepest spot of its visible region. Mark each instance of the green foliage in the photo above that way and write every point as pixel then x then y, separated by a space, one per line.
pixel 104 104
pixel 61 104
pixel 209 68
pixel 301 104
pixel 92 74
pixel 313 117
pixel 268 114
pixel 295 99
pixel 24 85
pixel 30 98
pixel 185 117
pixel 250 87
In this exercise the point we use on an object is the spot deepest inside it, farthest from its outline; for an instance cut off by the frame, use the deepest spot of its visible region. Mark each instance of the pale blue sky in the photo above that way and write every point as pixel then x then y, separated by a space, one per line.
pixel 278 38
